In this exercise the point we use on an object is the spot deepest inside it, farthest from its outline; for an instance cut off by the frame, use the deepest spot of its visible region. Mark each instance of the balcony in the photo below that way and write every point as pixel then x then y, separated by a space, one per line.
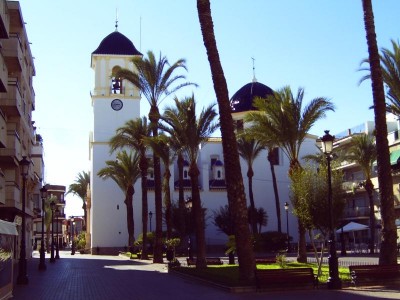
pixel 3 75
pixel 353 186
pixel 11 102
pixel 13 195
pixel 4 20
pixel 13 150
pixel 357 212
pixel 13 54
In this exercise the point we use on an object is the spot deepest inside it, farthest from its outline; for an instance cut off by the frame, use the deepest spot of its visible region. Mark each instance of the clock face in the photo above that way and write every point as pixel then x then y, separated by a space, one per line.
pixel 116 104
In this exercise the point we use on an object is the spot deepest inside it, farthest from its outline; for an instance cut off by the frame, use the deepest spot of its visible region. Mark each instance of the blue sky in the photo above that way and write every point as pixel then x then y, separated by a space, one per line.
pixel 314 44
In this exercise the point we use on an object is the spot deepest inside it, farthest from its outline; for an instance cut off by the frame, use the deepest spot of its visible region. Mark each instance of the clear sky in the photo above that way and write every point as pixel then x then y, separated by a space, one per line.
pixel 314 44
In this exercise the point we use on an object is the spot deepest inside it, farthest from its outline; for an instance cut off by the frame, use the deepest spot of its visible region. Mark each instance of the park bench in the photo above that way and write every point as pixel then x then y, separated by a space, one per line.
pixel 209 261
pixel 374 274
pixel 285 278
pixel 265 260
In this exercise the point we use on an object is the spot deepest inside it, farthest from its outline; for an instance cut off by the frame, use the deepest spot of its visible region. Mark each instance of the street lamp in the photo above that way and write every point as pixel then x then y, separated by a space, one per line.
pixel 188 205
pixel 287 226
pixel 57 244
pixel 72 236
pixel 22 275
pixel 150 216
pixel 53 207
pixel 333 280
pixel 42 263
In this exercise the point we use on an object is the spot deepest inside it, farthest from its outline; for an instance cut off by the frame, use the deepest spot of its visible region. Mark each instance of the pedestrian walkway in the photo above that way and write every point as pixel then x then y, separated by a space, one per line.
pixel 88 277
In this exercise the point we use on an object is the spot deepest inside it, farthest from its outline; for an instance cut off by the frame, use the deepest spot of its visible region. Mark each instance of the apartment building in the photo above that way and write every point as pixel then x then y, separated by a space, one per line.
pixel 357 207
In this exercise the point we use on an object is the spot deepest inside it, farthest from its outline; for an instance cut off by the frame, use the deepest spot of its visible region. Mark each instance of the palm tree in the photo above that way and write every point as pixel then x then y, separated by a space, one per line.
pixel 388 250
pixel 282 117
pixel 48 219
pixel 363 152
pixel 132 135
pixel 249 149
pixel 160 146
pixel 79 188
pixel 124 172
pixel 193 132
pixel 390 66
pixel 156 80
pixel 261 218
pixel 234 179
pixel 266 141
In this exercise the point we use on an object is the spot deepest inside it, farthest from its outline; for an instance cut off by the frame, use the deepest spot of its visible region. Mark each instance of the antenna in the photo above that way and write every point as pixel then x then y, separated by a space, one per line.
pixel 116 19
pixel 254 71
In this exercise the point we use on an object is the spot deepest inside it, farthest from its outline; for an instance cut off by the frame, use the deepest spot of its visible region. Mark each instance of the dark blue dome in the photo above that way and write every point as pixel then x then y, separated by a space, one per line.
pixel 118 44
pixel 242 100
pixel 218 163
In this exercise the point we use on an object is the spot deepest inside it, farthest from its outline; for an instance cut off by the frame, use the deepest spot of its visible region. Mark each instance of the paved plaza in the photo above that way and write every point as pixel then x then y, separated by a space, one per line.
pixel 88 277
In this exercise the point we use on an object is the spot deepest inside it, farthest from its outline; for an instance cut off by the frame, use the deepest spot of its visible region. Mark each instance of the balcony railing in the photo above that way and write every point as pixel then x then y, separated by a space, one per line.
pixel 356 212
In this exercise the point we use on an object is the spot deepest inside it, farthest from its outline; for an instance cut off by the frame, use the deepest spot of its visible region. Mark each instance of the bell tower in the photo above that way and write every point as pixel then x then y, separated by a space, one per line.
pixel 114 102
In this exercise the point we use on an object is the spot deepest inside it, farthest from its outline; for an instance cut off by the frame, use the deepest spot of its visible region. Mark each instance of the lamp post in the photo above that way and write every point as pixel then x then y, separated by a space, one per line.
pixel 57 244
pixel 42 263
pixel 333 280
pixel 287 227
pixel 22 274
pixel 52 206
pixel 150 216
pixel 72 236
pixel 188 205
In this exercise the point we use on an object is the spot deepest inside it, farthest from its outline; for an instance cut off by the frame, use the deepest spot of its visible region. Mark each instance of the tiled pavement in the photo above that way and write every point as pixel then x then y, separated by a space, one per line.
pixel 110 277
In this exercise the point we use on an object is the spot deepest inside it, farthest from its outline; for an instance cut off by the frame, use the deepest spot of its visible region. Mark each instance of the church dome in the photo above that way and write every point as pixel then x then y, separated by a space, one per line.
pixel 118 44
pixel 242 100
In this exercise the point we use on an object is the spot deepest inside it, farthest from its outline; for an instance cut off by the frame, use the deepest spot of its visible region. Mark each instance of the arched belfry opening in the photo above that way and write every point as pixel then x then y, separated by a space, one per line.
pixel 116 83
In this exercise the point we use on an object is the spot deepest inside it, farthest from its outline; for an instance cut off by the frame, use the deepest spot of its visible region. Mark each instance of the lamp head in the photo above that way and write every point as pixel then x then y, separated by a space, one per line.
pixel 327 142
pixel 43 192
pixel 286 206
pixel 24 163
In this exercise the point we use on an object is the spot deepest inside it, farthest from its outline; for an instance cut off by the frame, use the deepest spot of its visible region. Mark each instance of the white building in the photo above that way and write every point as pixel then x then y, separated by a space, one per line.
pixel 112 107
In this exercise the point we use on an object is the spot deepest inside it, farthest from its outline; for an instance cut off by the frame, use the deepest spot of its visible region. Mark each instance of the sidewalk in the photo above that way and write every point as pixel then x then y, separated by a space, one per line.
pixel 88 277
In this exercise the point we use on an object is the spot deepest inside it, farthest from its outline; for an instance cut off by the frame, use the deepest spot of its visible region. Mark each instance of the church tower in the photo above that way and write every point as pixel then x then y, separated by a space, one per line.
pixel 114 102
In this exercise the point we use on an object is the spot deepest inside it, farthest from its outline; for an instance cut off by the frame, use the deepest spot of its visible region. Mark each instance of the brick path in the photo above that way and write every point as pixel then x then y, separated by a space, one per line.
pixel 109 277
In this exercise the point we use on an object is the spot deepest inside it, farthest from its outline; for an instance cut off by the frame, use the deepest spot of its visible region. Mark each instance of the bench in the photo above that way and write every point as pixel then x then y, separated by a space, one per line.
pixel 374 274
pixel 209 261
pixel 288 278
pixel 265 260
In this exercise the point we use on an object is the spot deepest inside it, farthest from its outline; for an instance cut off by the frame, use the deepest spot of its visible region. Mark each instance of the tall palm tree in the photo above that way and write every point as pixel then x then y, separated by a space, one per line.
pixel 156 80
pixel 387 253
pixel 269 144
pixel 48 219
pixel 287 123
pixel 249 149
pixel 79 188
pixel 193 132
pixel 363 152
pixel 390 66
pixel 124 172
pixel 234 179
pixel 161 147
pixel 132 135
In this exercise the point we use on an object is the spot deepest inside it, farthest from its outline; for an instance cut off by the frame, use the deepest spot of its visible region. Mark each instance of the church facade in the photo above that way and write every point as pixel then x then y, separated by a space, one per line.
pixel 114 102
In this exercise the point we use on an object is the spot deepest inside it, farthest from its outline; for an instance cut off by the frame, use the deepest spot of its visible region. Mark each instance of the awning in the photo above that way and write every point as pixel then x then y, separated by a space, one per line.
pixel 352 226
pixel 394 157
pixel 8 228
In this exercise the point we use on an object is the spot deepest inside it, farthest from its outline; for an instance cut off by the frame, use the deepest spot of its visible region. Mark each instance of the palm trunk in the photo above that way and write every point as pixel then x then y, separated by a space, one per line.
pixel 182 207
pixel 234 180
pixel 154 117
pixel 167 195
pixel 388 249
pixel 129 215
pixel 252 205
pixel 198 218
pixel 276 193
pixel 143 171
pixel 372 224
